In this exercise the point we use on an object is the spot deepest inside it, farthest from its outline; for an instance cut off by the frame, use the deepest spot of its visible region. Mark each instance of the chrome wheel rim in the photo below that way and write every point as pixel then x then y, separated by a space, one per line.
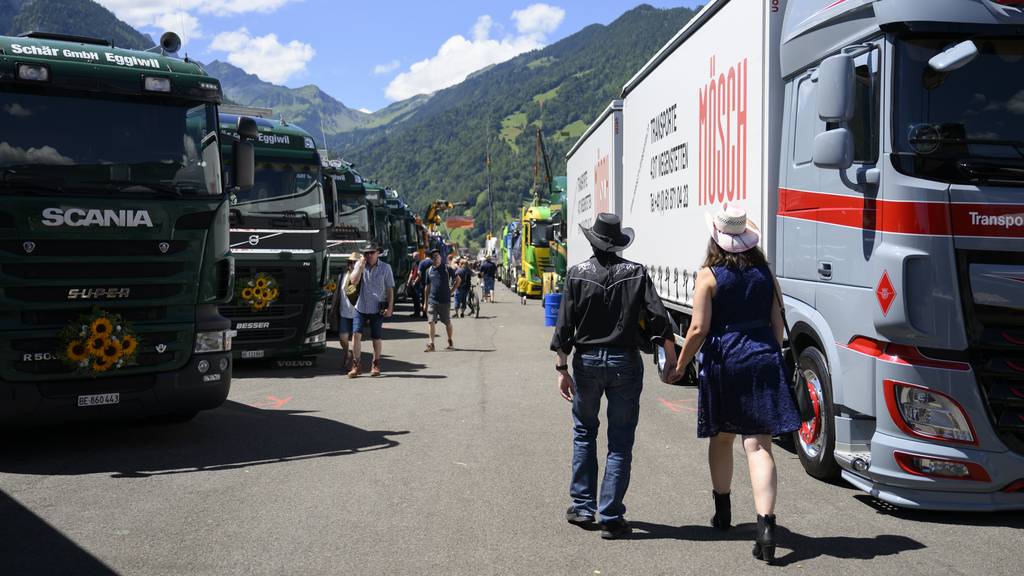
pixel 811 434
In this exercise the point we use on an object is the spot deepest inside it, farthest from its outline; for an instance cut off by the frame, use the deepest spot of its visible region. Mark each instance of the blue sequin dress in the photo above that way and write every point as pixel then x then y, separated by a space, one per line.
pixel 743 386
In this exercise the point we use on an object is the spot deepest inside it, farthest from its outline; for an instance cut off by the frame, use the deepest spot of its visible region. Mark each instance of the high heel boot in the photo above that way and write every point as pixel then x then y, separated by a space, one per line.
pixel 764 541
pixel 723 511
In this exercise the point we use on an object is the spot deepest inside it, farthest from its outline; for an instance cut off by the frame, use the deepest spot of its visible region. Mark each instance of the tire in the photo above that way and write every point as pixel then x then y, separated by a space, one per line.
pixel 815 442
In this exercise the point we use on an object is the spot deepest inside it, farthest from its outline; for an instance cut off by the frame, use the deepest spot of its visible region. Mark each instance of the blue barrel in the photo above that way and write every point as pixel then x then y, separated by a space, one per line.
pixel 552 302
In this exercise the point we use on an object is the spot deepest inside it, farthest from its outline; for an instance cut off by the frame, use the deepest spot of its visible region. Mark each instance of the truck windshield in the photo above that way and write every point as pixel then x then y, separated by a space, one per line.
pixel 963 126
pixel 541 234
pixel 91 146
pixel 352 218
pixel 282 188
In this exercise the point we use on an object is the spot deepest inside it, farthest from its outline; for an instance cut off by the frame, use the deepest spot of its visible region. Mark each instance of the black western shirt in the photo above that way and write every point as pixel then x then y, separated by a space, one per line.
pixel 610 302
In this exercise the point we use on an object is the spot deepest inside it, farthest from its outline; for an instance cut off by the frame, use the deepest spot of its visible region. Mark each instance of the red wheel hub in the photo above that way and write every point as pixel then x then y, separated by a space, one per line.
pixel 810 431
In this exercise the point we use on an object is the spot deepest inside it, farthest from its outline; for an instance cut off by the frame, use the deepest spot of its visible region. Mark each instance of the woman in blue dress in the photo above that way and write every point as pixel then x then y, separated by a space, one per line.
pixel 743 386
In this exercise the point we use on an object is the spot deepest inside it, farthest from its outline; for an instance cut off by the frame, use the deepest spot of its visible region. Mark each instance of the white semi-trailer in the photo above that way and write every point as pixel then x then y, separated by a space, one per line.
pixel 594 179
pixel 877 144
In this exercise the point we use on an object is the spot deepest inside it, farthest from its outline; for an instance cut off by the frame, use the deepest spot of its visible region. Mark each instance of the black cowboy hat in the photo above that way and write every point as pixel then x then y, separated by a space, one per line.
pixel 607 233
pixel 371 247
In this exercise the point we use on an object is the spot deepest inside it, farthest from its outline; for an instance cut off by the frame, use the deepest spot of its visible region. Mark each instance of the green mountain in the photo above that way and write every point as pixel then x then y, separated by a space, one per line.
pixel 303 106
pixel 439 150
pixel 78 17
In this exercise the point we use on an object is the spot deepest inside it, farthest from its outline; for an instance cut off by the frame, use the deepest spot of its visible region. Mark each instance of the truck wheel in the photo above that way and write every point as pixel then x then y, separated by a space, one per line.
pixel 815 441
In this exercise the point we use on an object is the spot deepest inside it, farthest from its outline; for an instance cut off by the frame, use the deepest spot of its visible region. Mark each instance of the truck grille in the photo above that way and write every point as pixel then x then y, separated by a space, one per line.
pixel 286 317
pixel 996 337
pixel 51 285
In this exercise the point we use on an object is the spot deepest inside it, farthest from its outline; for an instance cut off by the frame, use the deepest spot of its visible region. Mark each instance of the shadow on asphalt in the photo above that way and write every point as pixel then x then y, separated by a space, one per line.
pixel 329 364
pixel 29 545
pixel 1008 519
pixel 792 547
pixel 231 437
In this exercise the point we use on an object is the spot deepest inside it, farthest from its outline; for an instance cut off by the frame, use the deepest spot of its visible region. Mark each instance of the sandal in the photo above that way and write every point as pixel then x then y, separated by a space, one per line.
pixel 430 347
pixel 451 346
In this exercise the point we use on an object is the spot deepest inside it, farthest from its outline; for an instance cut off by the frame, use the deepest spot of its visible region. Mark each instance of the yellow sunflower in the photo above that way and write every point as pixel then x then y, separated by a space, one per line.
pixel 128 345
pixel 261 283
pixel 247 294
pixel 258 293
pixel 101 327
pixel 112 351
pixel 101 364
pixel 332 286
pixel 76 351
pixel 259 305
pixel 96 345
pixel 271 294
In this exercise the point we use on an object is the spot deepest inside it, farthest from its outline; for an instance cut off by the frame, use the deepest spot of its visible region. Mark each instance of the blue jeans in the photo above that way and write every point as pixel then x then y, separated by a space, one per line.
pixel 617 374
pixel 460 298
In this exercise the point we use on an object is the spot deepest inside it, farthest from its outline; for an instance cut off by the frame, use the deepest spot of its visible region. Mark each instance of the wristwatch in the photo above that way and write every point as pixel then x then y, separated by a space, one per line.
pixel 561 368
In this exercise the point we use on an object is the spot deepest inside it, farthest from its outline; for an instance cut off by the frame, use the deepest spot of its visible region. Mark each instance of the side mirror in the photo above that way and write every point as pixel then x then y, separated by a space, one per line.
pixel 833 149
pixel 835 89
pixel 247 128
pixel 244 163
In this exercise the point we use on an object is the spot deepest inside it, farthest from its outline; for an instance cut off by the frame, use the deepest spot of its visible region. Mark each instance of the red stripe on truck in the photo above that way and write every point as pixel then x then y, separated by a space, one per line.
pixel 904 217
pixel 893 216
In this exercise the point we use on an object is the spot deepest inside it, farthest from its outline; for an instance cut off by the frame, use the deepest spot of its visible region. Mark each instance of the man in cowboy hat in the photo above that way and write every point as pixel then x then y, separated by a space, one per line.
pixel 610 311
pixel 376 302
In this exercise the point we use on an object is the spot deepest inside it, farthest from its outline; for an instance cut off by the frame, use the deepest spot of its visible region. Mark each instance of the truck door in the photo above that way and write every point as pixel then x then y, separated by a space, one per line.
pixel 799 234
pixel 847 230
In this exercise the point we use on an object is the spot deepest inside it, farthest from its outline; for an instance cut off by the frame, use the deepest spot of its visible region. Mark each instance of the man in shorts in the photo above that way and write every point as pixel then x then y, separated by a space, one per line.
pixel 438 295
pixel 488 271
pixel 376 303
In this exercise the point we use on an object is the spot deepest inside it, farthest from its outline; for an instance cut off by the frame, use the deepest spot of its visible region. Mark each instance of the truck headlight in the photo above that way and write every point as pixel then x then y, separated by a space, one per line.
pixel 925 413
pixel 208 342
pixel 316 321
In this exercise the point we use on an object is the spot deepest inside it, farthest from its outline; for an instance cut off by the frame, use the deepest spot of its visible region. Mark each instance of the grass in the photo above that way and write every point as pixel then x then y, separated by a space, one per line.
pixel 511 127
pixel 549 95
pixel 541 62
pixel 572 132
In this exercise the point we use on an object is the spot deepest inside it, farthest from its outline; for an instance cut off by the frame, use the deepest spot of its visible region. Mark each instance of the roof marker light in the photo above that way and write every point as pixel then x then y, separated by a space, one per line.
pixel 34 72
pixel 154 84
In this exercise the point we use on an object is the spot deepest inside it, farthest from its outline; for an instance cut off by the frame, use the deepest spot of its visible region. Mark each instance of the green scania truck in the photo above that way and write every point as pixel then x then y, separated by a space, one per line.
pixel 113 232
pixel 278 239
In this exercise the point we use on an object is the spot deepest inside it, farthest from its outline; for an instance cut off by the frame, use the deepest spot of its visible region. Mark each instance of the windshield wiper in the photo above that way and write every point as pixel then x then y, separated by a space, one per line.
pixel 289 214
pixel 992 171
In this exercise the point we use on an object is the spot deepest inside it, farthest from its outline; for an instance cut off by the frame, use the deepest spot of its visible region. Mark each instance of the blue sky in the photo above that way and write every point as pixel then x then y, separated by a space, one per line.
pixel 367 54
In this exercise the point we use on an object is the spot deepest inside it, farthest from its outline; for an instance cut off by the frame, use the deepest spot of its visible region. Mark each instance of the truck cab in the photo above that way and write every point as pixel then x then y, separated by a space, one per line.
pixel 278 239
pixel 901 179
pixel 114 240
pixel 535 251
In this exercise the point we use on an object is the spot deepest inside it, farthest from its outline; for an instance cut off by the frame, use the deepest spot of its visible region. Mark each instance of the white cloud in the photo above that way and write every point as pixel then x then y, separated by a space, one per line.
pixel 386 68
pixel 264 56
pixel 365 110
pixel 539 19
pixel 459 56
pixel 180 15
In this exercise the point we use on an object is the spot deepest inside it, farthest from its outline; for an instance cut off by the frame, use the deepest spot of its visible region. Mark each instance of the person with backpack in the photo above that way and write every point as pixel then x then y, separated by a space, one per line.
pixel 438 295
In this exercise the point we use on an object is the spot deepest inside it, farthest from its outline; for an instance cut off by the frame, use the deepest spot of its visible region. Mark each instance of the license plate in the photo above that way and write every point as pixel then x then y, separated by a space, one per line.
pixel 99 399
pixel 252 354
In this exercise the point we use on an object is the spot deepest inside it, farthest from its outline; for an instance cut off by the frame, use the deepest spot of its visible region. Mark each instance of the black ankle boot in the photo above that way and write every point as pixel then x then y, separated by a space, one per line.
pixel 764 541
pixel 723 511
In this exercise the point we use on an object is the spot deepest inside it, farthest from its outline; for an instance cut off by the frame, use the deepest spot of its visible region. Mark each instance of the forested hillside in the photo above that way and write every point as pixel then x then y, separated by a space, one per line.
pixel 440 151
pixel 304 106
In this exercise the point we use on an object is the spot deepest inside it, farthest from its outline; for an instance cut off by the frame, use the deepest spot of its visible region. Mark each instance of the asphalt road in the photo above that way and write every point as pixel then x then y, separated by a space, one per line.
pixel 451 463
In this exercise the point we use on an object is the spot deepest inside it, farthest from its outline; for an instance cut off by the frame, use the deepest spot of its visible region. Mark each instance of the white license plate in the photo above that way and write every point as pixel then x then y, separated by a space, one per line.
pixel 252 354
pixel 99 399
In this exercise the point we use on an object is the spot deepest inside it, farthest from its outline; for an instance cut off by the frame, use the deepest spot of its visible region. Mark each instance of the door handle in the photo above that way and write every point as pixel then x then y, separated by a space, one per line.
pixel 825 270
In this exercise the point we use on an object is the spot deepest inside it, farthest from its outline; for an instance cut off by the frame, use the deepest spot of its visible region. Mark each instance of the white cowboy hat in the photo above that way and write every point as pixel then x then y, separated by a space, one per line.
pixel 732 230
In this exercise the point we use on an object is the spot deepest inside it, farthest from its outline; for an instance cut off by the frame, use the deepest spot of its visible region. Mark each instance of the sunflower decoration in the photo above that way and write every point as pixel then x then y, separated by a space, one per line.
pixel 332 287
pixel 98 342
pixel 258 292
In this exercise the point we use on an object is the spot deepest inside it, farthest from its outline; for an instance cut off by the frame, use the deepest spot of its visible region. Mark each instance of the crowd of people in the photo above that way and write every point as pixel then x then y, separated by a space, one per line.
pixel 365 297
